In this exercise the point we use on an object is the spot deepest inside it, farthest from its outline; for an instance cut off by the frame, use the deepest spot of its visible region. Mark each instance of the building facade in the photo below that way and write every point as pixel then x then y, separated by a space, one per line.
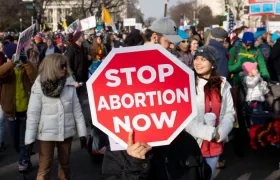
pixel 56 12
pixel 218 8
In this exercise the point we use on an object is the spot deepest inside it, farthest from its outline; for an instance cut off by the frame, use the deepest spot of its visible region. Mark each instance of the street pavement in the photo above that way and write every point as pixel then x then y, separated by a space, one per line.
pixel 260 165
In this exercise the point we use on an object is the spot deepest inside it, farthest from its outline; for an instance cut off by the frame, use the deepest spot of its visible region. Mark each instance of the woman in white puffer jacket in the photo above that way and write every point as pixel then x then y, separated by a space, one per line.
pixel 215 116
pixel 54 114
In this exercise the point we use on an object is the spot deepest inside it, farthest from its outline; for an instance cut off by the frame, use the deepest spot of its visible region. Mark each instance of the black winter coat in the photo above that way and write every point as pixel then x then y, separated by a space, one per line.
pixel 41 46
pixel 181 160
pixel 78 62
pixel 275 57
pixel 223 55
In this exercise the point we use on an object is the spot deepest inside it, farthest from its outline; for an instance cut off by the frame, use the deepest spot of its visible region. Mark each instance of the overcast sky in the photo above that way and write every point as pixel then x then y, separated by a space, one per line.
pixel 155 8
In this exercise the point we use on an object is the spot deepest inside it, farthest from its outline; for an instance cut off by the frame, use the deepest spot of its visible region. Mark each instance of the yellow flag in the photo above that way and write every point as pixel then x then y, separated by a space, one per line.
pixel 106 16
pixel 64 25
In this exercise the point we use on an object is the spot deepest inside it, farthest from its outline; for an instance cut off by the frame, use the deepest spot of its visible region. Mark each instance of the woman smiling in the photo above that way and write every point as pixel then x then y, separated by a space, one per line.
pixel 215 106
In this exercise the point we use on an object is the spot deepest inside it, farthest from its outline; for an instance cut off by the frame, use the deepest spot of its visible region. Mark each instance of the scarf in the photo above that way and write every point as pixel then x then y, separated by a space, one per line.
pixel 53 88
pixel 99 53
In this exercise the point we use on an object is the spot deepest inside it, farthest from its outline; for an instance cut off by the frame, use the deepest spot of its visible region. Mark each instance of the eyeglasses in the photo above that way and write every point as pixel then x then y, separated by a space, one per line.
pixel 62 66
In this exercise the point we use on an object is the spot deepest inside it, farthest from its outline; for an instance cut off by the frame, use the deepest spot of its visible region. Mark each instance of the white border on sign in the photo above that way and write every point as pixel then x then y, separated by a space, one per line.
pixel 139 49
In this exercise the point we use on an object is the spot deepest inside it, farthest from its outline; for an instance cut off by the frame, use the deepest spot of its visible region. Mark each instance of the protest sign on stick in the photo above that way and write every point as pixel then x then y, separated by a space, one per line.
pixel 88 23
pixel 75 26
pixel 24 41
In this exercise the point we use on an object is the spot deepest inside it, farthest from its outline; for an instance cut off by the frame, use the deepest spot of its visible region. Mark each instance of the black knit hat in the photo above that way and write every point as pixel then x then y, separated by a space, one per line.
pixel 134 38
pixel 208 53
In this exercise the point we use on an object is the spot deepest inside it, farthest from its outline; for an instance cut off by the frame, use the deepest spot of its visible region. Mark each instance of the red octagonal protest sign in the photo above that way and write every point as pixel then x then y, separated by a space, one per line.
pixel 143 88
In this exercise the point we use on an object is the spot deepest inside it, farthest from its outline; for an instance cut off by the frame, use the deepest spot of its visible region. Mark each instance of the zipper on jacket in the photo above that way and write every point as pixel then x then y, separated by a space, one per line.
pixel 166 169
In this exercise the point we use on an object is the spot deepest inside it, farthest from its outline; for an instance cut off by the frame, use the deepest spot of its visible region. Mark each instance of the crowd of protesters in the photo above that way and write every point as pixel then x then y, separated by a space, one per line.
pixel 44 96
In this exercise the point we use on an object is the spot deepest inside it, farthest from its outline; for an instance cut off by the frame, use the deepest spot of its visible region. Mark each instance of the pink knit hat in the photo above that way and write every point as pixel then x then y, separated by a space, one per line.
pixel 249 66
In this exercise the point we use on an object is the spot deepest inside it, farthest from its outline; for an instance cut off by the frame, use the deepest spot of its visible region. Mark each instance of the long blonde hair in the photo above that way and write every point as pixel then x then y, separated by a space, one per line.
pixel 50 65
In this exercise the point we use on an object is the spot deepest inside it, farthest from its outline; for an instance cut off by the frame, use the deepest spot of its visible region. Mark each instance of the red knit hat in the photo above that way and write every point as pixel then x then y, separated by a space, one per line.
pixel 77 35
pixel 249 66
pixel 38 37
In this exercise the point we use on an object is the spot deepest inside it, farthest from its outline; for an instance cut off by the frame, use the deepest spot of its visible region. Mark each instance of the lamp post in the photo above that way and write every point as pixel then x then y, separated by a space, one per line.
pixel 194 12
pixel 20 23
pixel 165 7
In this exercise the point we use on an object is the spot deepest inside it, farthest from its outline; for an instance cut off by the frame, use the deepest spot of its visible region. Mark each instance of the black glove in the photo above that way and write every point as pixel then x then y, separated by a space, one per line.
pixel 268 80
pixel 23 59
pixel 83 141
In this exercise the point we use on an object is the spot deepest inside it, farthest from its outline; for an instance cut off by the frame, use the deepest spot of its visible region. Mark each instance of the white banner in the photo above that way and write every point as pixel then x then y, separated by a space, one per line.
pixel 273 26
pixel 138 26
pixel 24 41
pixel 129 22
pixel 88 23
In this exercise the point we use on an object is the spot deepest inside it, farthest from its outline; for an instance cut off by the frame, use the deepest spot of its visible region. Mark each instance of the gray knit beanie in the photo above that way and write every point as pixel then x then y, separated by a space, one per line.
pixel 208 53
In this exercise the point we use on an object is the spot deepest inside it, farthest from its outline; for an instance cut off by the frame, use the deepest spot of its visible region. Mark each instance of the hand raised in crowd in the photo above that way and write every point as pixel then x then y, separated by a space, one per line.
pixel 23 59
pixel 137 150
pixel 14 60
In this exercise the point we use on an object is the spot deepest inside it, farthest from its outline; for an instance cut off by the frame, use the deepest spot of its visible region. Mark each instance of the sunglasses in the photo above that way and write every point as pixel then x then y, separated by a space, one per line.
pixel 62 66
pixel 184 41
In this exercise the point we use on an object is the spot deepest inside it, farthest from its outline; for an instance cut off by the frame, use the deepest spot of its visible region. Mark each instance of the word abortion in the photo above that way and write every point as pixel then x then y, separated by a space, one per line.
pixel 147 99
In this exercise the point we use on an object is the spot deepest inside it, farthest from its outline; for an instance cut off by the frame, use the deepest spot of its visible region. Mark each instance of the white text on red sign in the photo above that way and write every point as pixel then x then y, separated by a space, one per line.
pixel 142 99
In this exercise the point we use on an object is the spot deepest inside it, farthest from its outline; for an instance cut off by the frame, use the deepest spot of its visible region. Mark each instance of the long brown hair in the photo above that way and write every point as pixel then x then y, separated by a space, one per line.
pixel 95 46
pixel 191 40
pixel 214 82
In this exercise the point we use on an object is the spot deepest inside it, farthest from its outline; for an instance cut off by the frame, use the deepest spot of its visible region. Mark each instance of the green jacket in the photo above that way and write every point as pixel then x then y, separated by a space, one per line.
pixel 252 55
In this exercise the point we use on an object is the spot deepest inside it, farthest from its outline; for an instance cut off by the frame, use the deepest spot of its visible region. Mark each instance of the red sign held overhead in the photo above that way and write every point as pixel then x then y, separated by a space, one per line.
pixel 144 88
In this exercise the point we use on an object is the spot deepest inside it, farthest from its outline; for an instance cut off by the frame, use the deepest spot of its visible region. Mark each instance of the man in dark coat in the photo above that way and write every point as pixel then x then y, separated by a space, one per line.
pixel 274 61
pixel 79 62
pixel 181 160
pixel 78 57
pixel 218 37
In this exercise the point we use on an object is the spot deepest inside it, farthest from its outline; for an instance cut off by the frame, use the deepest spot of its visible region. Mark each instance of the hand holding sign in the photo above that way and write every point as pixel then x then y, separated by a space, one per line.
pixel 137 150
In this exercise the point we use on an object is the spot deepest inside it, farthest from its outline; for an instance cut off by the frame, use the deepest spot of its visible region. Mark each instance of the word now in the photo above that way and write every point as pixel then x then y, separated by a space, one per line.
pixel 163 71
pixel 149 120
pixel 151 98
